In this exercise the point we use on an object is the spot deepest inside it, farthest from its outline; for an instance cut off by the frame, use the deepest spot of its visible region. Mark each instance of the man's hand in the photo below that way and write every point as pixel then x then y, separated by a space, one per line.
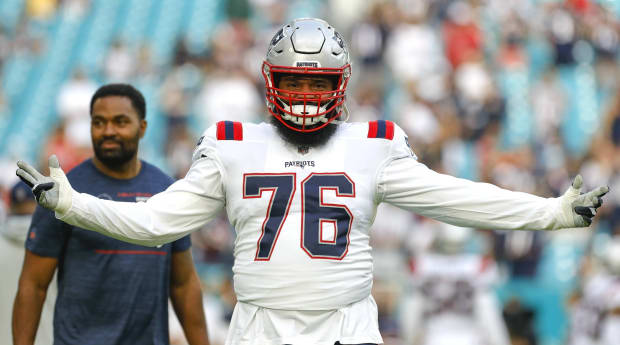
pixel 53 192
pixel 578 208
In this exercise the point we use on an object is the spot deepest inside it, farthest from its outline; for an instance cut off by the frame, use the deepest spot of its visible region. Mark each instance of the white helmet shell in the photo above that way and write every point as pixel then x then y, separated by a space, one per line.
pixel 309 47
pixel 308 42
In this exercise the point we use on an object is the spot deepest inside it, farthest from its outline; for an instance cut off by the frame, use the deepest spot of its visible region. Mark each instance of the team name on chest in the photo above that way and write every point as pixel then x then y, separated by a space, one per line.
pixel 301 164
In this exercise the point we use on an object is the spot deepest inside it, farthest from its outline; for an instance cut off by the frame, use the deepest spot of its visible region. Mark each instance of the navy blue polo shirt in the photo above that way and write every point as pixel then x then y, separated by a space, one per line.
pixel 109 291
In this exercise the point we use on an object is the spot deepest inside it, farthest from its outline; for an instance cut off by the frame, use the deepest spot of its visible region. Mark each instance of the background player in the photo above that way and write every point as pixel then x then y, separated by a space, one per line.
pixel 452 289
pixel 595 316
pixel 303 268
pixel 109 291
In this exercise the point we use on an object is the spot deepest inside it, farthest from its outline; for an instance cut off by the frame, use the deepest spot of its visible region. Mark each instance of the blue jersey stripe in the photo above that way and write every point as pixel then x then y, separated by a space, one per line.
pixel 381 129
pixel 229 130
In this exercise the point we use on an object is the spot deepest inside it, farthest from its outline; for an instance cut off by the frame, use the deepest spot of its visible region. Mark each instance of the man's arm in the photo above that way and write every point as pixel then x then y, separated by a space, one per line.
pixel 167 216
pixel 410 185
pixel 37 272
pixel 186 298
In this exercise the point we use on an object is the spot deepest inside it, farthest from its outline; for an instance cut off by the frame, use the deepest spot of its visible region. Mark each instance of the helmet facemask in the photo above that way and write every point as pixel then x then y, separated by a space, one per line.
pixel 306 111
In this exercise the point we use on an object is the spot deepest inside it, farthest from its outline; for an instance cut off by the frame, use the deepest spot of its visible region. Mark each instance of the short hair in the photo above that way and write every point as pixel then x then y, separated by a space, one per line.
pixel 123 90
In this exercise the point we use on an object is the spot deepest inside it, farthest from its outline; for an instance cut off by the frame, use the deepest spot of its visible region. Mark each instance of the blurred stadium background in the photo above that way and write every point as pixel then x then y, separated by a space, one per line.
pixel 520 93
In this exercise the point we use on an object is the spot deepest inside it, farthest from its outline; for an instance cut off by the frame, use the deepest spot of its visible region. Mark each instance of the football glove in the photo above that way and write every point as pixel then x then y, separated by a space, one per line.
pixel 578 209
pixel 53 192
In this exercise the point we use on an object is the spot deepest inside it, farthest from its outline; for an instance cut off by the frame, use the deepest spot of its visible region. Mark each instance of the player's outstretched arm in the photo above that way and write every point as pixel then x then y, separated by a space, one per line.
pixel 184 207
pixel 410 185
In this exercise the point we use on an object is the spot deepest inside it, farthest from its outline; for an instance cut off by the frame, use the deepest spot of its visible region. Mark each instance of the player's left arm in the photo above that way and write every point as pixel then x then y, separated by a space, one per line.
pixel 186 298
pixel 409 184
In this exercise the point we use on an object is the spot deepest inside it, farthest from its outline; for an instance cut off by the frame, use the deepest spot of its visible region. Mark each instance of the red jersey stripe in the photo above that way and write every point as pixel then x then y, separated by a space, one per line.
pixel 221 130
pixel 238 131
pixel 389 130
pixel 130 252
pixel 372 129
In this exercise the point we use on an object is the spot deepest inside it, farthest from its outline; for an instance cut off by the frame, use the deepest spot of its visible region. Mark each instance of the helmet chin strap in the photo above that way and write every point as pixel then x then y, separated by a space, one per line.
pixel 345 111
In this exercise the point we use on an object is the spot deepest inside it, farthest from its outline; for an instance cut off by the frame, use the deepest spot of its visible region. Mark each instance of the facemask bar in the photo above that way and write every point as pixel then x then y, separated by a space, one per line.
pixel 306 111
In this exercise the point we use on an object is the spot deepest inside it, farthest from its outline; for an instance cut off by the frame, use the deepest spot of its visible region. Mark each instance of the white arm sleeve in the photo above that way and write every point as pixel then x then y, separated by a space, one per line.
pixel 182 208
pixel 408 184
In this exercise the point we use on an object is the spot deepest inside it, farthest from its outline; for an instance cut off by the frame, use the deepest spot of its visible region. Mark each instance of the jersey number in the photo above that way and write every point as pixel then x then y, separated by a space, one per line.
pixel 324 227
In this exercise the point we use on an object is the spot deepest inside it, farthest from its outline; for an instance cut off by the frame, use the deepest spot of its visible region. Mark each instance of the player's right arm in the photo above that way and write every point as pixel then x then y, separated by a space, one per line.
pixel 167 216
pixel 37 272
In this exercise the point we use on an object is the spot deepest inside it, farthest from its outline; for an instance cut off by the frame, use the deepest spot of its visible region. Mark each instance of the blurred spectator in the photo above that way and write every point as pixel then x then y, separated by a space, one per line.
pixel 177 92
pixel 387 294
pixel 13 233
pixel 119 64
pixel 213 244
pixel 41 9
pixel 229 44
pixel 6 46
pixel 461 35
pixel 413 51
pixel 368 38
pixel 367 105
pixel 605 36
pixel 58 143
pixel 418 120
pixel 520 251
pixel 218 303
pixel 73 105
pixel 476 96
pixel 595 317
pixel 179 149
pixel 226 97
pixel 76 9
pixel 562 29
pixel 548 104
pixel 4 107
pixel 520 322
pixel 145 67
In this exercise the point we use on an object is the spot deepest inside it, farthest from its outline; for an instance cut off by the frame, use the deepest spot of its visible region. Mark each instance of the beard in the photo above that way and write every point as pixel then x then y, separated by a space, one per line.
pixel 309 139
pixel 117 157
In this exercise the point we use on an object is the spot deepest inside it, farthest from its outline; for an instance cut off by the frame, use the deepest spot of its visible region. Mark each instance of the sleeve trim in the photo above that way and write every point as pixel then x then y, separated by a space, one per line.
pixel 381 129
pixel 229 130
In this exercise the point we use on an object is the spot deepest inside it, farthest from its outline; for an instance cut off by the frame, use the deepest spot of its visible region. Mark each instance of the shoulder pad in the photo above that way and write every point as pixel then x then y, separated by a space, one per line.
pixel 229 130
pixel 381 129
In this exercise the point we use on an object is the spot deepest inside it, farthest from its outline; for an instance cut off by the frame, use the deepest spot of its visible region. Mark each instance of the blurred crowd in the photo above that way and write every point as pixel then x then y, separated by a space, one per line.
pixel 522 94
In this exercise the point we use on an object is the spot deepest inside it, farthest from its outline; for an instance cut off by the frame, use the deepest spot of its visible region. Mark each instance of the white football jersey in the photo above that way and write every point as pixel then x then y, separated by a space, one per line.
pixel 595 318
pixel 453 292
pixel 302 216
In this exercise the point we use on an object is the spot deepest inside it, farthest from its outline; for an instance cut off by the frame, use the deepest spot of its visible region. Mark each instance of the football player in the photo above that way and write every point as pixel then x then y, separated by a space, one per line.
pixel 595 318
pixel 452 289
pixel 301 192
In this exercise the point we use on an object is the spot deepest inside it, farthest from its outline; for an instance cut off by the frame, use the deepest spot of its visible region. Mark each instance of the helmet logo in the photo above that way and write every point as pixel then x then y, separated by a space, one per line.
pixel 312 64
pixel 338 39
pixel 277 37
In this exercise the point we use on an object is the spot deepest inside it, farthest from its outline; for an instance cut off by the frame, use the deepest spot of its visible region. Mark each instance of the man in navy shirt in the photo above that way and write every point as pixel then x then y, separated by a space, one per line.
pixel 109 292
